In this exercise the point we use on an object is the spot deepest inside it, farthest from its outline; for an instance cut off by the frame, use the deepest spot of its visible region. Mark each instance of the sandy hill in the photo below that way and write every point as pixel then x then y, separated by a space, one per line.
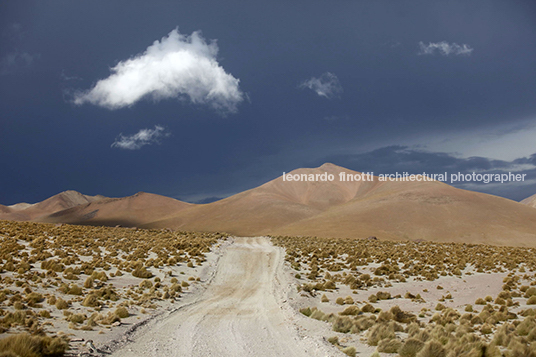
pixel 389 210
pixel 4 209
pixel 129 211
pixel 274 204
pixel 429 211
pixel 59 202
pixel 530 201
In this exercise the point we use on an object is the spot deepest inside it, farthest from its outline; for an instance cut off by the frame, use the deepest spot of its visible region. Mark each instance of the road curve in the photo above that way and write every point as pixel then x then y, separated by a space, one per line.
pixel 239 314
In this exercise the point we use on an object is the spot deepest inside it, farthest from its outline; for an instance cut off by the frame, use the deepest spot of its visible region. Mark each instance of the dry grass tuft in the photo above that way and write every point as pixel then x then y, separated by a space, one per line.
pixel 25 345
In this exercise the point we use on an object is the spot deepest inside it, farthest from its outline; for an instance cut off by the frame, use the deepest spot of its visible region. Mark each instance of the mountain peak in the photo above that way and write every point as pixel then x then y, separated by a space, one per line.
pixel 331 167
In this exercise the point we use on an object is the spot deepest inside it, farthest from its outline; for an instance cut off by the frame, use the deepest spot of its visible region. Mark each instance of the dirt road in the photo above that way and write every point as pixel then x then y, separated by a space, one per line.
pixel 243 312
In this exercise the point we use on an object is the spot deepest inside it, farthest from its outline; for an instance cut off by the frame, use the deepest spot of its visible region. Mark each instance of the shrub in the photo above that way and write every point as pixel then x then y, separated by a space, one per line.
pixel 324 298
pixel 342 324
pixel 379 332
pixel 340 301
pixel 45 314
pixel 525 327
pixel 389 345
pixel 141 272
pixel 432 348
pixel 88 283
pixel 91 301
pixel 76 318
pixel 122 312
pixel 334 340
pixel 410 348
pixel 530 292
pixel 109 319
pixel 350 351
pixel 402 316
pixel 329 285
pixel 318 315
pixel 51 300
pixel 350 310
pixel 146 284
pixel 75 290
pixel 25 345
pixel 368 308
pixel 531 300
pixel 480 301
pixel 306 311
pixel 440 307
pixel 486 329
pixel 34 298
pixel 383 295
pixel 61 304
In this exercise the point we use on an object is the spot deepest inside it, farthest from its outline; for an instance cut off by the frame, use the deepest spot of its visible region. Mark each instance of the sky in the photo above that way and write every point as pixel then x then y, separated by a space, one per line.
pixel 199 100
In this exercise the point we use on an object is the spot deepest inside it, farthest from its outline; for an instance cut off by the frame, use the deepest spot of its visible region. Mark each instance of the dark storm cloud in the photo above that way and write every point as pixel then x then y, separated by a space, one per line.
pixel 399 158
pixel 391 94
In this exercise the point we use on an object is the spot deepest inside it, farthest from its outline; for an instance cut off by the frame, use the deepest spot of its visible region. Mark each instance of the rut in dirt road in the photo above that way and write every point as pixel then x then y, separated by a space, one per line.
pixel 240 313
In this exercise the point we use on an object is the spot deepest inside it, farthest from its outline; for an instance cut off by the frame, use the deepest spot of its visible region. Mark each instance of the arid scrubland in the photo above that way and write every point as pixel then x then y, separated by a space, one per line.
pixel 62 282
pixel 417 299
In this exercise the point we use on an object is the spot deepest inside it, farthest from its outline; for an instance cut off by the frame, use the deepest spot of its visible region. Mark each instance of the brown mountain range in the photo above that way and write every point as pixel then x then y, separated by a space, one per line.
pixel 388 210
pixel 131 211
pixel 37 211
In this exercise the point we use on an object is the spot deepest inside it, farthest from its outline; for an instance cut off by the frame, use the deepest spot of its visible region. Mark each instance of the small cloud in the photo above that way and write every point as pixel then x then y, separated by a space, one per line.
pixel 444 48
pixel 327 85
pixel 17 61
pixel 177 66
pixel 65 77
pixel 140 139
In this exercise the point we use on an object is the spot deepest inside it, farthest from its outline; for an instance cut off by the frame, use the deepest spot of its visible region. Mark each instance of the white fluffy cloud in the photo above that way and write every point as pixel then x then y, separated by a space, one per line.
pixel 327 85
pixel 444 48
pixel 140 139
pixel 178 66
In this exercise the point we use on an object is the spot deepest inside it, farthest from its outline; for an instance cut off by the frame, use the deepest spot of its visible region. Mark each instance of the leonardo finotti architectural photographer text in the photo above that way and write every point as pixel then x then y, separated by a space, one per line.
pixel 405 176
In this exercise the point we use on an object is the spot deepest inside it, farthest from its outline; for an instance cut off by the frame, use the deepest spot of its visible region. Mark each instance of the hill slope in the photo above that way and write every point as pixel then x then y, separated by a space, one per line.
pixel 430 211
pixel 129 211
pixel 389 210
pixel 530 201
pixel 274 204
pixel 59 202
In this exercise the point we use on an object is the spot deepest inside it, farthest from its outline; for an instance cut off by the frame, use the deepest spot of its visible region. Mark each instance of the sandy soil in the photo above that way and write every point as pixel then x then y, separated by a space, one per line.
pixel 243 312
